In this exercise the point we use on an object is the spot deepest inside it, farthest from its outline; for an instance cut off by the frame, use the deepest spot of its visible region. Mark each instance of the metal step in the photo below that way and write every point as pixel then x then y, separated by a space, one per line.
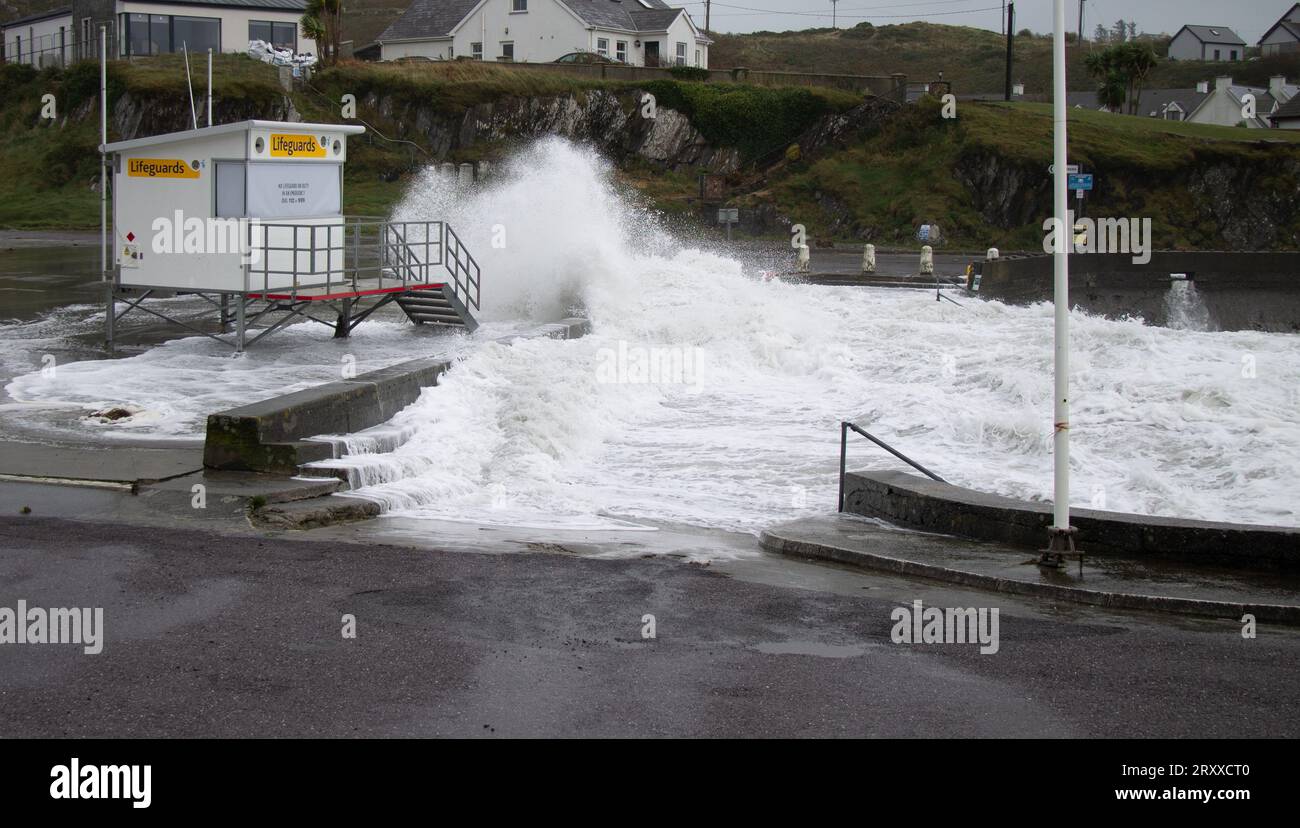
pixel 434 308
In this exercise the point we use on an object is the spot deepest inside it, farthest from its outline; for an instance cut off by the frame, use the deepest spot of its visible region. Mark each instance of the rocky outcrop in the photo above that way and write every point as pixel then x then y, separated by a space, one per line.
pixel 611 121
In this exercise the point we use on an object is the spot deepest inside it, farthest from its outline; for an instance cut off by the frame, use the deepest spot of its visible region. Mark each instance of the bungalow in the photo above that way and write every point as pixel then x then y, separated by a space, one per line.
pixel 1225 103
pixel 635 32
pixel 1287 116
pixel 1284 36
pixel 139 28
pixel 1207 43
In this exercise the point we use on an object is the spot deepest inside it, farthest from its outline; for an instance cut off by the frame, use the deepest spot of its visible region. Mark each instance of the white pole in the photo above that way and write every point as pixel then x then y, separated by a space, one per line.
pixel 194 116
pixel 209 87
pixel 103 158
pixel 1061 298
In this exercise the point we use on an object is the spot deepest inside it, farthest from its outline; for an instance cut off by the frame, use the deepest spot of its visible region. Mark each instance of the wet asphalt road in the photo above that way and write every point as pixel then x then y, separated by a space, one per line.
pixel 212 635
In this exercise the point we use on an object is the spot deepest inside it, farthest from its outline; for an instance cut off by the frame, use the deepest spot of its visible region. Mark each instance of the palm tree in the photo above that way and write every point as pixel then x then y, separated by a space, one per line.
pixel 1137 60
pixel 323 23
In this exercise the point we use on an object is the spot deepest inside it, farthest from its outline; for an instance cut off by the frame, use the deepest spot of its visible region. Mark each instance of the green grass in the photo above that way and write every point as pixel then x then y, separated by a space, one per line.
pixel 910 173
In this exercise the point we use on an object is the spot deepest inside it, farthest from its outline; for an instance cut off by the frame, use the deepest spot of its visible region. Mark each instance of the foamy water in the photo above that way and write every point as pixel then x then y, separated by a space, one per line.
pixel 734 425
pixel 173 386
pixel 1166 421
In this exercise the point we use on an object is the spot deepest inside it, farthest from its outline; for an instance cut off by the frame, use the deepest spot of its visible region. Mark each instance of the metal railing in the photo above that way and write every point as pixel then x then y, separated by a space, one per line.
pixel 359 253
pixel 845 426
pixel 62 48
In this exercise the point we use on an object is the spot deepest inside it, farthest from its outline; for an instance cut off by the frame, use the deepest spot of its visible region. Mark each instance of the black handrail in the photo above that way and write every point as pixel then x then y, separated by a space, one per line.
pixel 845 425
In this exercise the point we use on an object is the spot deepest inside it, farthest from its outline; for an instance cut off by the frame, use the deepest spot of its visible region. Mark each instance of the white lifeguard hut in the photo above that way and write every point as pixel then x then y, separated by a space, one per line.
pixel 250 215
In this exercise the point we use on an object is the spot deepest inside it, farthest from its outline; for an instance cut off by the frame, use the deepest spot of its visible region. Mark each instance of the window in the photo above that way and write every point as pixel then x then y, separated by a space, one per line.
pixel 230 189
pixel 85 38
pixel 279 35
pixel 697 57
pixel 476 51
pixel 158 34
pixel 198 34
pixel 1232 55
pixel 681 54
pixel 519 6
pixel 1217 54
pixel 602 46
pixel 507 50
pixel 620 50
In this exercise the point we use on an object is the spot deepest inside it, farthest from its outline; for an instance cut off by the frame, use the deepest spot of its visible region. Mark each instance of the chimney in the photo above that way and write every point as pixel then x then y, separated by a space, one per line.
pixel 1275 85
pixel 1203 87
pixel 1222 83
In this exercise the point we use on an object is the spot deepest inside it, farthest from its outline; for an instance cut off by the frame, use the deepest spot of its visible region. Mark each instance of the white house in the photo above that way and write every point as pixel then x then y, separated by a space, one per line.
pixel 1225 105
pixel 149 28
pixel 1284 35
pixel 635 32
pixel 1207 43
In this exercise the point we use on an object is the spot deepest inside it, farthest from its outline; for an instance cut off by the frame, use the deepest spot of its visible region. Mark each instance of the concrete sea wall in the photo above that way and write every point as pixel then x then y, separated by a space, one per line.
pixel 271 435
pixel 919 503
pixel 1241 291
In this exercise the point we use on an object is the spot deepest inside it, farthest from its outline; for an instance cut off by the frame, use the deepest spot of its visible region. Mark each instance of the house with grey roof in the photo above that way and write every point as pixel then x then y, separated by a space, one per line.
pixel 635 32
pixel 135 29
pixel 1231 104
pixel 1207 43
pixel 1287 116
pixel 1284 35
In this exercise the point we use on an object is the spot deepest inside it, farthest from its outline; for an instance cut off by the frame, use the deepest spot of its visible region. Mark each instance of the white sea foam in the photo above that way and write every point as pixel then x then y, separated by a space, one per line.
pixel 1165 421
pixel 532 434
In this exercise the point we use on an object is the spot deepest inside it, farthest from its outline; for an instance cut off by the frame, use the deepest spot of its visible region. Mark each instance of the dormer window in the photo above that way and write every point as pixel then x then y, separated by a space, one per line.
pixel 645 3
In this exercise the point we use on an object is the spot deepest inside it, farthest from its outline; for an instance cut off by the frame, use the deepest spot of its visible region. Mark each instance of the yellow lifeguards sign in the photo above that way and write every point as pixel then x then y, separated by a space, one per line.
pixel 290 145
pixel 161 168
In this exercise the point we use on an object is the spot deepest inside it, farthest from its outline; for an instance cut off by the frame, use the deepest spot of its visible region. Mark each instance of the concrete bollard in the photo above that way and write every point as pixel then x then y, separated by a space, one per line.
pixel 927 261
pixel 447 170
pixel 991 255
pixel 803 258
pixel 466 175
pixel 869 258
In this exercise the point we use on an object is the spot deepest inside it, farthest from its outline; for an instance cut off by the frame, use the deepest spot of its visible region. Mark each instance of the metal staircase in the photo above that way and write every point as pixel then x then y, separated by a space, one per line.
pixel 437 307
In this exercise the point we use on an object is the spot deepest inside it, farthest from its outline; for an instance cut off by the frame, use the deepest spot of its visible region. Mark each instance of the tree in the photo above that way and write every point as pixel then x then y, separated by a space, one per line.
pixel 1111 87
pixel 1121 69
pixel 1119 32
pixel 1101 35
pixel 323 23
pixel 1136 61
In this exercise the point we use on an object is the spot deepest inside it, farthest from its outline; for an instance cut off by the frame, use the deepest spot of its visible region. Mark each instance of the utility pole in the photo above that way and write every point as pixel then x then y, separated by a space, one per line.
pixel 708 3
pixel 1004 18
pixel 1011 39
pixel 1079 42
pixel 834 25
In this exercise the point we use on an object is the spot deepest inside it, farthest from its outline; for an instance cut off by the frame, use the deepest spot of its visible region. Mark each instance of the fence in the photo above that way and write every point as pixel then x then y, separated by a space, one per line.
pixel 59 48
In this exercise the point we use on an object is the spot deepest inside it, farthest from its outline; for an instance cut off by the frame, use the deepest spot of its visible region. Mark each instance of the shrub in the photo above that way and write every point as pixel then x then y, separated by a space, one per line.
pixel 689 73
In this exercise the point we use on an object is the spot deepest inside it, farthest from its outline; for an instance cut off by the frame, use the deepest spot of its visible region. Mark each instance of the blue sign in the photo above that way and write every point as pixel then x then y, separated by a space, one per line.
pixel 1080 181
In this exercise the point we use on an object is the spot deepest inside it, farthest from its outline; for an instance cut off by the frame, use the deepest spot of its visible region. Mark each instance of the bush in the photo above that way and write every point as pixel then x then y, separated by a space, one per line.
pixel 14 76
pixel 689 73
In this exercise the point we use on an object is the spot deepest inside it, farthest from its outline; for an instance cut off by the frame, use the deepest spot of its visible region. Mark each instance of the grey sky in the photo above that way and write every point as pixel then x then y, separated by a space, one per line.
pixel 1249 18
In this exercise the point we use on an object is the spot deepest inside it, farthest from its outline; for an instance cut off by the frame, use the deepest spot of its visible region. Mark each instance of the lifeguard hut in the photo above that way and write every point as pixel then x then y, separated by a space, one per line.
pixel 248 216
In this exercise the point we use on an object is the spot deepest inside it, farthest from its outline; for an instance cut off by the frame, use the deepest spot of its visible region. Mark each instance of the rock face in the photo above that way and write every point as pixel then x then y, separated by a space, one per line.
pixel 612 122
pixel 1253 207
pixel 133 117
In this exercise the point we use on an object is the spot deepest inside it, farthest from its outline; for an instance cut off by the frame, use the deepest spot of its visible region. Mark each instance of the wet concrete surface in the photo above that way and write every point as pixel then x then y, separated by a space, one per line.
pixel 213 635
pixel 873 543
